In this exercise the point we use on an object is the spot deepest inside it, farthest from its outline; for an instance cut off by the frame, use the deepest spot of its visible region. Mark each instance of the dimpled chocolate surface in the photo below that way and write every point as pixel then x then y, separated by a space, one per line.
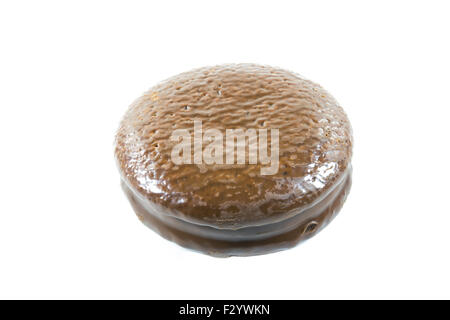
pixel 315 145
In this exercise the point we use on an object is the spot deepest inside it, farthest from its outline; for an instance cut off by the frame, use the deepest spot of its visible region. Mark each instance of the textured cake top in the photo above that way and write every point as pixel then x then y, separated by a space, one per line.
pixel 315 144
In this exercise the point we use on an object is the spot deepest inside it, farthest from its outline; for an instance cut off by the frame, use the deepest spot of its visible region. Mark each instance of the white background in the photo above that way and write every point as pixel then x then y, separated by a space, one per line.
pixel 69 70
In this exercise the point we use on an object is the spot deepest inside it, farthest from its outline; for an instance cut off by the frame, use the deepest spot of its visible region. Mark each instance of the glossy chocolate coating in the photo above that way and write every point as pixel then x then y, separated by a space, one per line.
pixel 216 205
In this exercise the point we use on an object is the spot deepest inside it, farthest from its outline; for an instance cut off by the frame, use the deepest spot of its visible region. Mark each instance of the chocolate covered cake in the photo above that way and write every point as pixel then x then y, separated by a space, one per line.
pixel 238 159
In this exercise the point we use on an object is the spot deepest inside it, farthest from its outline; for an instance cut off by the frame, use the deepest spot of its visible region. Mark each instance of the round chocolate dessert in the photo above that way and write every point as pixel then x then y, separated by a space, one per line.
pixel 237 159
